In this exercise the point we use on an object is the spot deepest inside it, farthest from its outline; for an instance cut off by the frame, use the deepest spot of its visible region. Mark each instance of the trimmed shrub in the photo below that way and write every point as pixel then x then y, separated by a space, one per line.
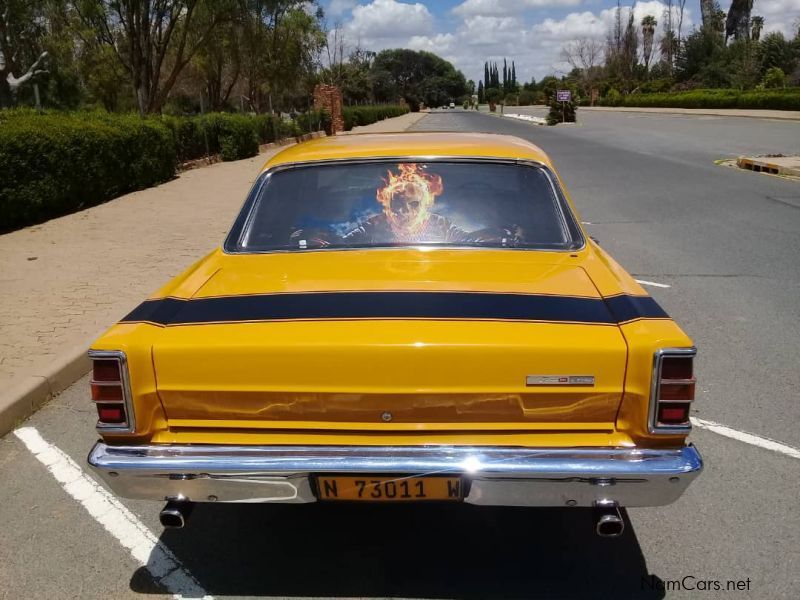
pixel 355 116
pixel 54 164
pixel 783 99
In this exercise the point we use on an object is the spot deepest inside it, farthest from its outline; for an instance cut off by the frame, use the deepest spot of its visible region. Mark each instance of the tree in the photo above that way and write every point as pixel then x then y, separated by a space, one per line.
pixel 738 22
pixel 153 40
pixel 219 61
pixel 481 96
pixel 585 56
pixel 777 51
pixel 649 24
pixel 417 77
pixel 756 25
pixel 18 25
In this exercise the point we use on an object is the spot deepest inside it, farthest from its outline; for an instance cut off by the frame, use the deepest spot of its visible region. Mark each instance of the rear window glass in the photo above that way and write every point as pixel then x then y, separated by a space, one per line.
pixel 384 204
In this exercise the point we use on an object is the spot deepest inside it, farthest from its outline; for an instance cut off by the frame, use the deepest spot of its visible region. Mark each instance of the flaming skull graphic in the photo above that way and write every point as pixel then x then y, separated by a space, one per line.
pixel 407 198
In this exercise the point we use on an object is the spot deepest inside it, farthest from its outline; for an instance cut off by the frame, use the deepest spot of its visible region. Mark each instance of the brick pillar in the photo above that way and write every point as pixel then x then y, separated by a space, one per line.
pixel 329 98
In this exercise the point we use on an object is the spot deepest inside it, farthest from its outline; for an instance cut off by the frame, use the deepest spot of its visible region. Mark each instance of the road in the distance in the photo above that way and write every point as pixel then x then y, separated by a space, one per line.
pixel 727 241
pixel 674 220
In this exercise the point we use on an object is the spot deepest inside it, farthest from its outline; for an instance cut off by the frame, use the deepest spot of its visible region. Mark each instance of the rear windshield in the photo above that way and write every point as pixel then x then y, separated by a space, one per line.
pixel 385 204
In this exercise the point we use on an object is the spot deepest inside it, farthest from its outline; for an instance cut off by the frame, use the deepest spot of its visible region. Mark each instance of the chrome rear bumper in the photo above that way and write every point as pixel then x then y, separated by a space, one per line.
pixel 497 475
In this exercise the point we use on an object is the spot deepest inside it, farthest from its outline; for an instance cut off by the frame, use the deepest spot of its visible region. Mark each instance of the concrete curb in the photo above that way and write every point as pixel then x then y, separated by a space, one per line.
pixel 22 399
pixel 775 166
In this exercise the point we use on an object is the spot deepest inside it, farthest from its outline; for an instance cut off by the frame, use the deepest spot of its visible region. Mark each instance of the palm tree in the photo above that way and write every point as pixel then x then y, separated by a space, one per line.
pixel 648 35
pixel 756 25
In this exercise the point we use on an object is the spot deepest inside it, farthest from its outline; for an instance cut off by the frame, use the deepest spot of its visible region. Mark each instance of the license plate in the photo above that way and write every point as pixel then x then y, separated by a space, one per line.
pixel 389 489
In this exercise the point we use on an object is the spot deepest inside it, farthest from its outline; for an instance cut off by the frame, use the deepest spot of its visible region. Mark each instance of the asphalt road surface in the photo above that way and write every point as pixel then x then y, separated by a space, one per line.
pixel 726 242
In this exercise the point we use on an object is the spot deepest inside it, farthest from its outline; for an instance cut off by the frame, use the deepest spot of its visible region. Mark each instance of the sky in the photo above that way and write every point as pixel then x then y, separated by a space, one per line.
pixel 530 32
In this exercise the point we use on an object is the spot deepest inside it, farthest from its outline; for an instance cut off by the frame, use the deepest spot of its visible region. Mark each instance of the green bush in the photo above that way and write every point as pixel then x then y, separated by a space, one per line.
pixel 355 116
pixel 526 98
pixel 774 78
pixel 56 163
pixel 782 99
pixel 314 120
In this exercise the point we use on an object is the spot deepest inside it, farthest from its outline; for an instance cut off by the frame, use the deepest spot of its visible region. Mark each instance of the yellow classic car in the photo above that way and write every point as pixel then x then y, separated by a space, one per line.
pixel 399 318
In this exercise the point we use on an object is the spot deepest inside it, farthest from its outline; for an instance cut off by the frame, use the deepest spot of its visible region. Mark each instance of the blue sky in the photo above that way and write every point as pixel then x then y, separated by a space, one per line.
pixel 530 32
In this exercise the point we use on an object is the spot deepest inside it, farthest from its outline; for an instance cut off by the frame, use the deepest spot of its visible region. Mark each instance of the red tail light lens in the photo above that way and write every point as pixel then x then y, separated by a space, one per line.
pixel 673 390
pixel 111 413
pixel 109 391
pixel 673 413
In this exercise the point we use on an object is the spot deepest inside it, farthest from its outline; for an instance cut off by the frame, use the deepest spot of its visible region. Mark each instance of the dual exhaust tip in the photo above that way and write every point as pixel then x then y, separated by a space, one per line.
pixel 609 522
pixel 175 514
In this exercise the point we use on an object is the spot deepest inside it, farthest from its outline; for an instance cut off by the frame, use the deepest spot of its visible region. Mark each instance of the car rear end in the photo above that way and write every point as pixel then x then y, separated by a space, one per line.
pixel 349 349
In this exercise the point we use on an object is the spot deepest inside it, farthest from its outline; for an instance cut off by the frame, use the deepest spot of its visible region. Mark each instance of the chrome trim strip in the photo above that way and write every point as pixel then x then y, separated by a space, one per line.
pixel 498 475
pixel 130 425
pixel 231 246
pixel 652 425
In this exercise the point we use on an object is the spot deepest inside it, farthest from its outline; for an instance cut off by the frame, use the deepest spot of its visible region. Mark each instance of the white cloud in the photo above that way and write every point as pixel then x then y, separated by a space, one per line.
pixel 381 23
pixel 779 15
pixel 506 7
pixel 337 8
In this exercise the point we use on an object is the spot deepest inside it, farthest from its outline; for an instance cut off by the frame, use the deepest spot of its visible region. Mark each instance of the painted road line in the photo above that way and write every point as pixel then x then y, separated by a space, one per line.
pixel 747 438
pixel 653 283
pixel 130 532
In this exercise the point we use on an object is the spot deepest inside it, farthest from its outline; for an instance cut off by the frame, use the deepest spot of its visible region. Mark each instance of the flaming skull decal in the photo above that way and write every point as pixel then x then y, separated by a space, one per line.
pixel 407 198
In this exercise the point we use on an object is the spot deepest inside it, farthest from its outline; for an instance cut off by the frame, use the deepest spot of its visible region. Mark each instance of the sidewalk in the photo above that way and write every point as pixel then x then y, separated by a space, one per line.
pixel 62 283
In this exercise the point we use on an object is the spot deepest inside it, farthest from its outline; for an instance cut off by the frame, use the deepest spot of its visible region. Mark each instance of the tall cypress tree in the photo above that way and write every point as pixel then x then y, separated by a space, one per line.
pixel 486 76
pixel 481 95
pixel 505 76
pixel 513 77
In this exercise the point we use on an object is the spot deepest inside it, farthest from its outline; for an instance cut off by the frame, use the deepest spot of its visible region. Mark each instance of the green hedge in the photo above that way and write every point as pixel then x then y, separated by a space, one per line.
pixel 785 99
pixel 56 163
pixel 355 116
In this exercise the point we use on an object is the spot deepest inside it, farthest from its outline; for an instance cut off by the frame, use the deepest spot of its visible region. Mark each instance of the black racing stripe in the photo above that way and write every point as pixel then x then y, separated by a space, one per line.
pixel 627 308
pixel 373 305
pixel 160 311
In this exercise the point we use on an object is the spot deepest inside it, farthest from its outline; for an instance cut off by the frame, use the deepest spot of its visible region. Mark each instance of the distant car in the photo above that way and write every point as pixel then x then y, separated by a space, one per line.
pixel 397 318
pixel 452 105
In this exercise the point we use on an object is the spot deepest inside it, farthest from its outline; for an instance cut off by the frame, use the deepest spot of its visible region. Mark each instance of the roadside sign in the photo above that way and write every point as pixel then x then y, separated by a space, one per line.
pixel 564 95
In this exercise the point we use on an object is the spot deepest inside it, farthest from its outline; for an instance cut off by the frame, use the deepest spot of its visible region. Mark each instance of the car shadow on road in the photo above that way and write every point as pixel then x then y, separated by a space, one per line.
pixel 420 551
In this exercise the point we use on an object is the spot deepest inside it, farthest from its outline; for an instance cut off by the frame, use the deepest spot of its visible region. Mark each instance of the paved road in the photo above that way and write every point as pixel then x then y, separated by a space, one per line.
pixel 728 252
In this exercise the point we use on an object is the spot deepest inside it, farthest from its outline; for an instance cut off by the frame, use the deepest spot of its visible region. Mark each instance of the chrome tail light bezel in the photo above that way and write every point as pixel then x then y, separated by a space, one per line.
pixel 653 425
pixel 129 426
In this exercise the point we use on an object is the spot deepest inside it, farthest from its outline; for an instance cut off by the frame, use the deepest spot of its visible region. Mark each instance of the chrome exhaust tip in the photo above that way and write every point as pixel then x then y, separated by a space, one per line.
pixel 175 514
pixel 609 520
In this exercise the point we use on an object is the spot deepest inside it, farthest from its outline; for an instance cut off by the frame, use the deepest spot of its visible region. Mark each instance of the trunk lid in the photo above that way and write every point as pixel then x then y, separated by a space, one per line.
pixel 395 341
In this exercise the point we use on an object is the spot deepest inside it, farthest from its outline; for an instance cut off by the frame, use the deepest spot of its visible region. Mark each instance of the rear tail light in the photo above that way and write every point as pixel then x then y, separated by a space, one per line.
pixel 110 391
pixel 672 391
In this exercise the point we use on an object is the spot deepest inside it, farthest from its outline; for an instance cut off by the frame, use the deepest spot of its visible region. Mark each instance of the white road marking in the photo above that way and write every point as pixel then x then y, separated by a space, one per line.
pixel 653 283
pixel 747 438
pixel 586 222
pixel 130 532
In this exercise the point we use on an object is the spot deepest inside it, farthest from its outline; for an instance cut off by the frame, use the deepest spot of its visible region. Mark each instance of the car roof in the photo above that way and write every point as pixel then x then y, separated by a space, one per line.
pixel 421 144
